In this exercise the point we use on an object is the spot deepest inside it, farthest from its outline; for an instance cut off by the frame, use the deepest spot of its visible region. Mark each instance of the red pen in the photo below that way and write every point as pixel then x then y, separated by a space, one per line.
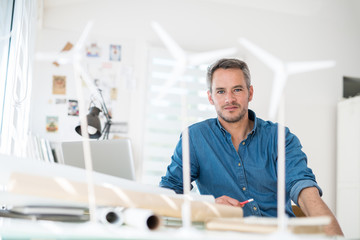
pixel 247 201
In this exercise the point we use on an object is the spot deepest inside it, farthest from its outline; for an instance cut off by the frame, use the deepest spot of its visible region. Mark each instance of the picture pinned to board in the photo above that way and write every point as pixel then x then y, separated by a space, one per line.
pixel 115 52
pixel 93 50
pixel 59 84
pixel 73 108
pixel 60 101
pixel 52 124
pixel 113 93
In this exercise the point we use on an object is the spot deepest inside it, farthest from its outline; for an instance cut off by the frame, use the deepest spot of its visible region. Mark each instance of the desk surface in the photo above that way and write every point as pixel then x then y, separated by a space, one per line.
pixel 12 228
pixel 41 229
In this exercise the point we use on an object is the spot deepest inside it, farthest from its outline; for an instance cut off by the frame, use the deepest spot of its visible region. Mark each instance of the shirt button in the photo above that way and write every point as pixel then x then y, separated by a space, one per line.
pixel 239 164
pixel 243 143
pixel 254 208
pixel 244 188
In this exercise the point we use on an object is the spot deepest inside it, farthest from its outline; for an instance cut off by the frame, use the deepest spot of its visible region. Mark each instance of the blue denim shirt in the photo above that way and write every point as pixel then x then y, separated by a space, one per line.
pixel 250 172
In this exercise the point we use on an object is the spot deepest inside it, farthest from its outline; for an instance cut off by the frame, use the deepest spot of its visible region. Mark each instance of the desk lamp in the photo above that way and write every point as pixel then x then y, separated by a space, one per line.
pixel 94 125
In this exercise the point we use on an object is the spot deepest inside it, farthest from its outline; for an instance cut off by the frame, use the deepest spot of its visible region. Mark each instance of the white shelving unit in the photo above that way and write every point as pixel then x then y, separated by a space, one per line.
pixel 348 167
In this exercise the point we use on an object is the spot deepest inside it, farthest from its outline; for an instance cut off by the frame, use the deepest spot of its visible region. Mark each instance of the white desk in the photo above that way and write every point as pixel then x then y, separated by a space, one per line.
pixel 27 229
pixel 11 228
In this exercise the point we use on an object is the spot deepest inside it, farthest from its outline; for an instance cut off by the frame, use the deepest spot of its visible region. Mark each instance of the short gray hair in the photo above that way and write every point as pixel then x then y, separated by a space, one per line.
pixel 228 63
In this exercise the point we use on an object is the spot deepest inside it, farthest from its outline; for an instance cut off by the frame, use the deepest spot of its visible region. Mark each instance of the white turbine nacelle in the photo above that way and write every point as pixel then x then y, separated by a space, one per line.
pixel 183 59
pixel 282 71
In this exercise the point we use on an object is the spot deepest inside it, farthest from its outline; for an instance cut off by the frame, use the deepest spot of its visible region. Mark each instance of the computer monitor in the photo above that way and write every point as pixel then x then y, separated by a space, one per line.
pixel 112 157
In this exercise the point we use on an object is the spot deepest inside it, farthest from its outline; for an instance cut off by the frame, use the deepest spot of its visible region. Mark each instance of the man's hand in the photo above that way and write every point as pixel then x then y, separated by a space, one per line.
pixel 228 201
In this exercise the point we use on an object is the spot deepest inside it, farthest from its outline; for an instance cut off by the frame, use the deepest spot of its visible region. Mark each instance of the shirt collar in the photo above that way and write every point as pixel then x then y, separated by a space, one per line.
pixel 252 116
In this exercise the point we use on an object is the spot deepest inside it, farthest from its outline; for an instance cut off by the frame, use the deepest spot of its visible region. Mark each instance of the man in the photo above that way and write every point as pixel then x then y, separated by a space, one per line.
pixel 234 156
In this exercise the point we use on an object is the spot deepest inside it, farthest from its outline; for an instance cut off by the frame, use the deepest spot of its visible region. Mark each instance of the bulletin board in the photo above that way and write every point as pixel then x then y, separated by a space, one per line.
pixel 109 65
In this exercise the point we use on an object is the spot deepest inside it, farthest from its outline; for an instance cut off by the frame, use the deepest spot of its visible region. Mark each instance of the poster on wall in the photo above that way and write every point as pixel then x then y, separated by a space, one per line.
pixel 73 108
pixel 60 101
pixel 52 123
pixel 113 93
pixel 59 84
pixel 115 52
pixel 93 50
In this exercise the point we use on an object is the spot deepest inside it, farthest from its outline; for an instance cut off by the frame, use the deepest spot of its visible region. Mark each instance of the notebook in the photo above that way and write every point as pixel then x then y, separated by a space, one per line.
pixel 112 157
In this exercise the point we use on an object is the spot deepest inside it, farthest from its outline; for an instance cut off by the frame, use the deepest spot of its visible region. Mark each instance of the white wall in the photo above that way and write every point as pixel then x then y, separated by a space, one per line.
pixel 296 31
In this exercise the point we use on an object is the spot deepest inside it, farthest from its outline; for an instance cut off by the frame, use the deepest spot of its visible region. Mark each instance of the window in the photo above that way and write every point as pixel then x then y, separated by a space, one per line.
pixel 163 124
pixel 16 83
pixel 6 14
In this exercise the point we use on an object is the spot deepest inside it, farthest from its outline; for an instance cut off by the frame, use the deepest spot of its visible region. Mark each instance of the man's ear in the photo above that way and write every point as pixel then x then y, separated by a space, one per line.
pixel 251 93
pixel 210 97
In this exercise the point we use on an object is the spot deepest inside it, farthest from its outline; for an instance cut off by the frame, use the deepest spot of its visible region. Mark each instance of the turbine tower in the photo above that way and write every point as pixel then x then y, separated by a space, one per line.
pixel 75 57
pixel 182 61
pixel 277 107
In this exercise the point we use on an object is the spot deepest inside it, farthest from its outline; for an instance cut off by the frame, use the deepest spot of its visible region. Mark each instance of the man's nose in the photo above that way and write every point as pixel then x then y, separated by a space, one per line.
pixel 229 97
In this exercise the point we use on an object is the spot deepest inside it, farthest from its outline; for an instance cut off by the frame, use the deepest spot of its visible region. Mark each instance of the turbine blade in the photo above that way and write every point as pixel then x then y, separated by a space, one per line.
pixel 271 61
pixel 300 67
pixel 175 50
pixel 206 57
pixel 61 58
pixel 177 72
pixel 84 35
pixel 48 56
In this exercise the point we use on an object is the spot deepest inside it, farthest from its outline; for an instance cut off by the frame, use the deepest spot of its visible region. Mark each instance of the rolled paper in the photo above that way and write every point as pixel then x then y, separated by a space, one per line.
pixel 141 218
pixel 110 215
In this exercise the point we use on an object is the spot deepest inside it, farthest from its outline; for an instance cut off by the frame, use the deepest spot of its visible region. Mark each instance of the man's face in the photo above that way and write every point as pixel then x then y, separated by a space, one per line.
pixel 230 95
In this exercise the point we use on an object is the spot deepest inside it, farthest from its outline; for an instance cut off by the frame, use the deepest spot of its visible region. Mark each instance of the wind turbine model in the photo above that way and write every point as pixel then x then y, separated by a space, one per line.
pixel 75 57
pixel 182 61
pixel 277 105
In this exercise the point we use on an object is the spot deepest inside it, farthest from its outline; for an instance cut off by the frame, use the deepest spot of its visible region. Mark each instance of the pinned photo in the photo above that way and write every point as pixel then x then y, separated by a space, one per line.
pixel 113 93
pixel 60 101
pixel 93 50
pixel 59 84
pixel 73 108
pixel 115 52
pixel 52 123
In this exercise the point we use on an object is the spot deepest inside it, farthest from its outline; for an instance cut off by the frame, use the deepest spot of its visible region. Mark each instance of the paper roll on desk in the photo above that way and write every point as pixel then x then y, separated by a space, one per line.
pixel 111 195
pixel 143 219
pixel 111 215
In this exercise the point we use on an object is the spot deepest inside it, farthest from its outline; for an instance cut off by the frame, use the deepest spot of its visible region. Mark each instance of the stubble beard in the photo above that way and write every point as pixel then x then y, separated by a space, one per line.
pixel 232 119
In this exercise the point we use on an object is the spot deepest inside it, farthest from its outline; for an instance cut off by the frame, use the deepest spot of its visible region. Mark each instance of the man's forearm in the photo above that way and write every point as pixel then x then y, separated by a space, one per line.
pixel 312 205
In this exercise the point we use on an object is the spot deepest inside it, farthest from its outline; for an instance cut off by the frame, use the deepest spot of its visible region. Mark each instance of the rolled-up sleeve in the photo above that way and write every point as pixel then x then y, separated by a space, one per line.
pixel 298 174
pixel 300 185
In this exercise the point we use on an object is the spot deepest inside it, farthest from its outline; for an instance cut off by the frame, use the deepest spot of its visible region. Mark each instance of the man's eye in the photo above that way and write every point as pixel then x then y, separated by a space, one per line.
pixel 237 90
pixel 221 92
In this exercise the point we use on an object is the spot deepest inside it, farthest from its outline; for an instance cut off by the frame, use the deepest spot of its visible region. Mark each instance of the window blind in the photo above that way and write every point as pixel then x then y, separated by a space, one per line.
pixel 163 123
